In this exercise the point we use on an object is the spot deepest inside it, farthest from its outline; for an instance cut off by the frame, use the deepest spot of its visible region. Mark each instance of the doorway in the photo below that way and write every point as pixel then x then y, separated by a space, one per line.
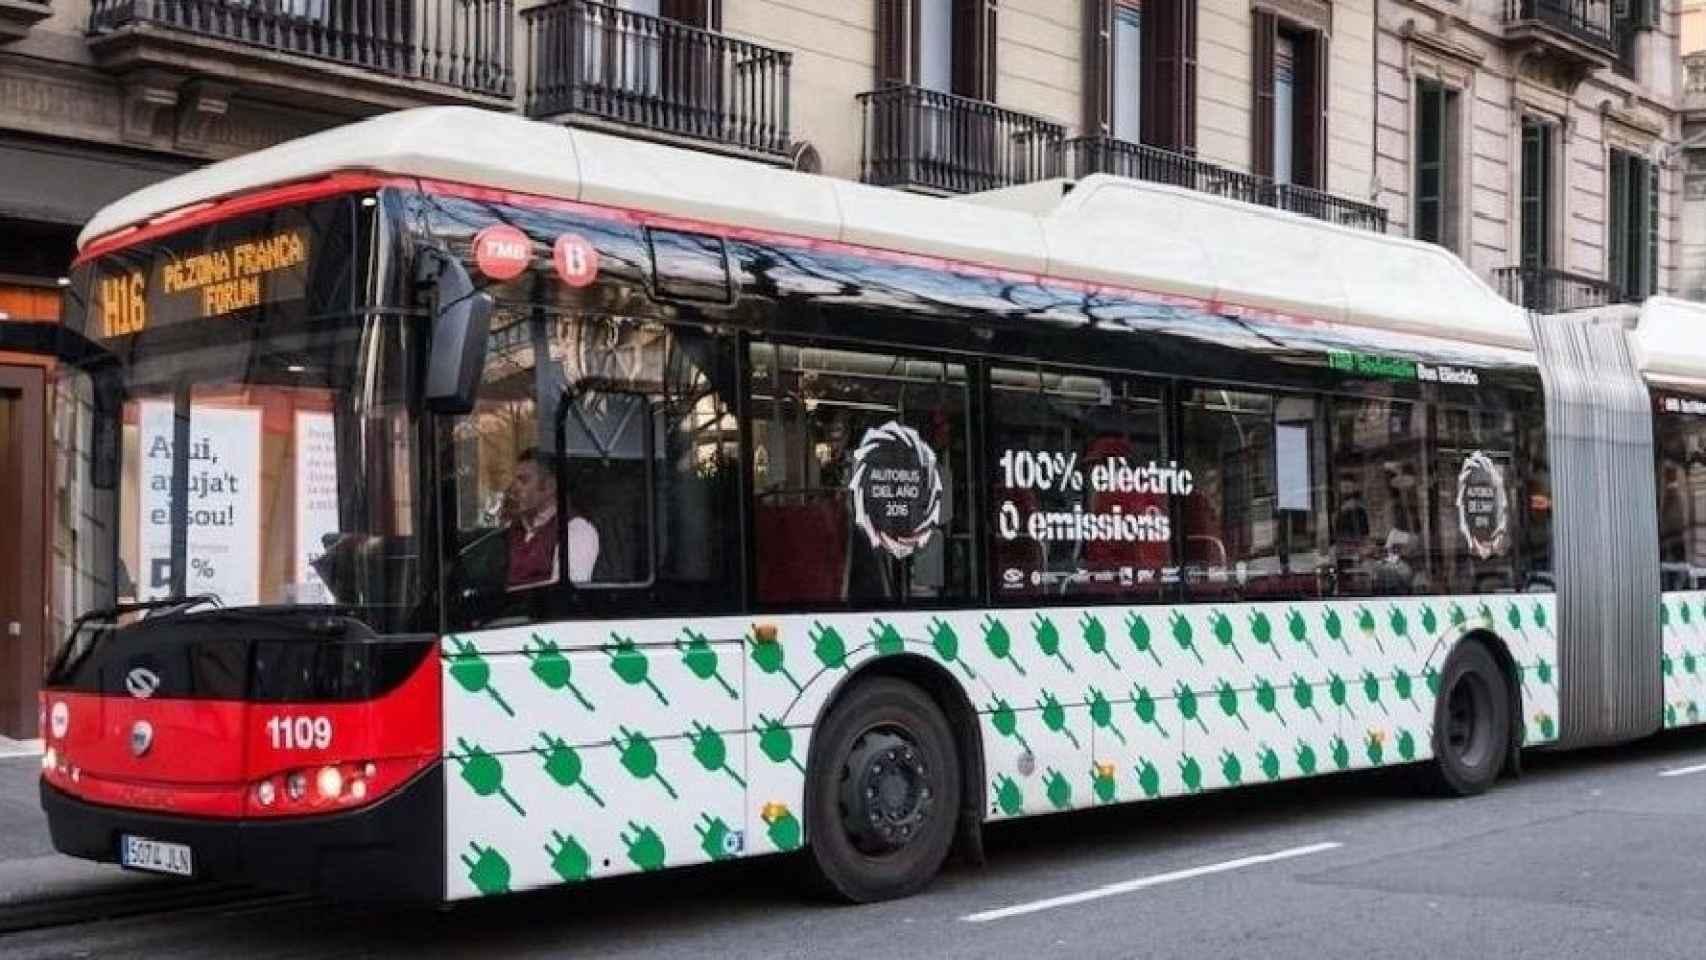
pixel 23 510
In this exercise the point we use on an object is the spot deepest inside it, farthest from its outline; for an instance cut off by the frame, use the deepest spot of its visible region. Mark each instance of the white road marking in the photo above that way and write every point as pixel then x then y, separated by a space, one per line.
pixel 19 748
pixel 1684 771
pixel 1141 883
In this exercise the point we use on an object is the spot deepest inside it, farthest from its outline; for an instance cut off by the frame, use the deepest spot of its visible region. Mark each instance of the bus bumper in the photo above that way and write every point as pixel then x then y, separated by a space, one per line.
pixel 390 850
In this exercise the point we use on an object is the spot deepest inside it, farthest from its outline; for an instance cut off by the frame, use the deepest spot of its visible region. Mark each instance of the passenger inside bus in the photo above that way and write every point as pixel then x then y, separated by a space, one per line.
pixel 530 517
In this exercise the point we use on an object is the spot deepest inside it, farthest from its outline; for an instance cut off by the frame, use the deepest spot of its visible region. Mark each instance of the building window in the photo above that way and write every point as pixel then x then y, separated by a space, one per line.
pixel 1436 205
pixel 1629 19
pixel 1128 71
pixel 943 45
pixel 1632 225
pixel 1289 140
pixel 1538 139
pixel 1141 83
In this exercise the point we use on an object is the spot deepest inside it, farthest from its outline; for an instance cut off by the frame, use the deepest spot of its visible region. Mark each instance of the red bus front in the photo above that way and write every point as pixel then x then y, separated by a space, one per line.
pixel 249 687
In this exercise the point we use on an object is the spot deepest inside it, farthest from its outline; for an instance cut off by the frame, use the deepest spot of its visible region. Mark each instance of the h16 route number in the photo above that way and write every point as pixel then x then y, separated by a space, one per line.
pixel 299 733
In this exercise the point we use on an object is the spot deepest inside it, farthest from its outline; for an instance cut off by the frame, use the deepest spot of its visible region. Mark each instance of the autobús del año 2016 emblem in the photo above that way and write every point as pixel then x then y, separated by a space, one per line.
pixel 897 489
pixel 1483 506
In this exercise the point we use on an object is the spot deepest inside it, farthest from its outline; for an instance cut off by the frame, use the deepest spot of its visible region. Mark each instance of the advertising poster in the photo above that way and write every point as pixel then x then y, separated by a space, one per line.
pixel 223 512
pixel 316 499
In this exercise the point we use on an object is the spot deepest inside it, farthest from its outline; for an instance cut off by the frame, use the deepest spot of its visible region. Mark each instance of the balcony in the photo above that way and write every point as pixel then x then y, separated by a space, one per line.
pixel 601 66
pixel 18 16
pixel 1087 155
pixel 932 142
pixel 1547 290
pixel 345 57
pixel 1563 40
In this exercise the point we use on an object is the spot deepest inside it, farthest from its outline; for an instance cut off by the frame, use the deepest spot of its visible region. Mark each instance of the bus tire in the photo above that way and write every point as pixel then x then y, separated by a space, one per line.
pixel 883 796
pixel 1472 722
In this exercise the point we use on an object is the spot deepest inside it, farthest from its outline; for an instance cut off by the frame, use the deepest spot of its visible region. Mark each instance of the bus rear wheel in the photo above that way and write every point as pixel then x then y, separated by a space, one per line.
pixel 1472 722
pixel 883 794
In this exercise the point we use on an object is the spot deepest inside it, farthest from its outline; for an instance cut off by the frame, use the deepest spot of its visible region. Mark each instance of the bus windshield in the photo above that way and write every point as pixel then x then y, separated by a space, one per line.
pixel 246 431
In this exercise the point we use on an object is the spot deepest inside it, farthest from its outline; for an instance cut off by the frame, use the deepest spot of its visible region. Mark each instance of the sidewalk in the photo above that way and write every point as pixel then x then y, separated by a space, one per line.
pixel 31 873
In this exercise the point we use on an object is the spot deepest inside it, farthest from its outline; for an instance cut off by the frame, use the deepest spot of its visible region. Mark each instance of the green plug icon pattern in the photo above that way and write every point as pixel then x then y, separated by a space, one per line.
pixel 587 752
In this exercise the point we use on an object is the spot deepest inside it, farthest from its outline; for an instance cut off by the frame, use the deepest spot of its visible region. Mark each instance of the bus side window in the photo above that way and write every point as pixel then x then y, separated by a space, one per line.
pixel 1476 487
pixel 1081 486
pixel 1681 441
pixel 1381 527
pixel 1254 518
pixel 859 476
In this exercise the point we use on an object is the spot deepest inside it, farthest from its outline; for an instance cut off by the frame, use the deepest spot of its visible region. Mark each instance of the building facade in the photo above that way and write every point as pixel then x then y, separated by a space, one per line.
pixel 1533 137
pixel 1691 151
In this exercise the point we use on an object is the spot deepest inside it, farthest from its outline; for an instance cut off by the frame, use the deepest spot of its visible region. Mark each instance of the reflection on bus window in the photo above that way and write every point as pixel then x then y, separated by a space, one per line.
pixel 293 483
pixel 1382 536
pixel 1682 500
pixel 1255 517
pixel 1480 500
pixel 859 475
pixel 1081 486
pixel 597 458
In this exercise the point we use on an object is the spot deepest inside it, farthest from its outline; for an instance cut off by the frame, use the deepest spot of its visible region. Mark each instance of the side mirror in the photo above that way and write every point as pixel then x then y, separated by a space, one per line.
pixel 462 320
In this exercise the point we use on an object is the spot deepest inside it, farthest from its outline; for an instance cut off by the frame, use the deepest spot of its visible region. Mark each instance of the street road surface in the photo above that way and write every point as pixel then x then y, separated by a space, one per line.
pixel 1597 854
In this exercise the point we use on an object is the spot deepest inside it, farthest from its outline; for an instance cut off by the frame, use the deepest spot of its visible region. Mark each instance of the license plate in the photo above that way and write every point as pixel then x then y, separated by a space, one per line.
pixel 156 856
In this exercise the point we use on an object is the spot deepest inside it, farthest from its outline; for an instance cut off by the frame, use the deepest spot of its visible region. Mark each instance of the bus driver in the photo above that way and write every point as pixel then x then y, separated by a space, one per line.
pixel 531 512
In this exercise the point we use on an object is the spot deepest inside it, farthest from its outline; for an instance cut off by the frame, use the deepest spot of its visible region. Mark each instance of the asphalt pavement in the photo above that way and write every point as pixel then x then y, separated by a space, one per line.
pixel 1590 854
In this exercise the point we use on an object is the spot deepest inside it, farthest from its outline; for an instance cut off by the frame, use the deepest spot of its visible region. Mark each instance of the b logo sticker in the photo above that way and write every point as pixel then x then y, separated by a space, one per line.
pixel 576 260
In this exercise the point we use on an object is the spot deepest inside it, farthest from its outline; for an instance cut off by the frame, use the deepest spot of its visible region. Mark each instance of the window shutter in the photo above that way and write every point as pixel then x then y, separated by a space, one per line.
pixel 974 49
pixel 1099 67
pixel 1617 226
pixel 1170 74
pixel 1652 228
pixel 896 63
pixel 1311 138
pixel 1262 70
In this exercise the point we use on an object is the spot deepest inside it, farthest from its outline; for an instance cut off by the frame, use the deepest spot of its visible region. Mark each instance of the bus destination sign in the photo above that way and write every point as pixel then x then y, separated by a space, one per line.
pixel 213 281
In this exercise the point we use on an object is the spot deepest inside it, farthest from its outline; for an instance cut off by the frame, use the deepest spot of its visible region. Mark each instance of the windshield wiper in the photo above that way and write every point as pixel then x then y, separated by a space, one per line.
pixel 164 603
pixel 70 655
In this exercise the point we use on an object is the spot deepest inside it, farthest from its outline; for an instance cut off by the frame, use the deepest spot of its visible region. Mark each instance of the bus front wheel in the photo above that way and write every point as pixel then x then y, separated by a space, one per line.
pixel 1472 722
pixel 883 793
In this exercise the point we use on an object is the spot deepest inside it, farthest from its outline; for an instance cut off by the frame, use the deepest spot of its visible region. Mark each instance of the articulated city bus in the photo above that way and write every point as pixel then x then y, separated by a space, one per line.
pixel 461 505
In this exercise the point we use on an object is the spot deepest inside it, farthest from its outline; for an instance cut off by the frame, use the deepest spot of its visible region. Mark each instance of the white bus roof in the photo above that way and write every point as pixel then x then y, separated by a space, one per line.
pixel 1104 230
pixel 1669 342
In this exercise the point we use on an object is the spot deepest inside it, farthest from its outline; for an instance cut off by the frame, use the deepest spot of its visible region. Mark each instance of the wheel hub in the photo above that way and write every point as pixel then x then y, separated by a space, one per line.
pixel 887 793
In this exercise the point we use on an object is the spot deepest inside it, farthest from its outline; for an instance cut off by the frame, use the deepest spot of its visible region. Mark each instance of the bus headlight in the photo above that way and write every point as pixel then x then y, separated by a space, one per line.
pixel 330 783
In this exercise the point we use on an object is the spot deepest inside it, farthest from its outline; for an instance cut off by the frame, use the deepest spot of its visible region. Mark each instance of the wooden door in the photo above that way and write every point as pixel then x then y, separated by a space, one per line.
pixel 23 453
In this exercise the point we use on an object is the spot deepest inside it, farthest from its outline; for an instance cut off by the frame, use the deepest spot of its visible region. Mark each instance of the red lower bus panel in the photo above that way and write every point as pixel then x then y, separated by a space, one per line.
pixel 234 759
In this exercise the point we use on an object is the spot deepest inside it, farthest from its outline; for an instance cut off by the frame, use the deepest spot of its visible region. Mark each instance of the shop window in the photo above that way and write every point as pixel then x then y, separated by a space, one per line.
pixel 1081 486
pixel 1254 515
pixel 860 477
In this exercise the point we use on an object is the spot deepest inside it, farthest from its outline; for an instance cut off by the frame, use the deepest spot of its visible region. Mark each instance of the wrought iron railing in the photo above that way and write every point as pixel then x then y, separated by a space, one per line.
pixel 928 140
pixel 597 60
pixel 466 44
pixel 1586 20
pixel 1547 290
pixel 1087 155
